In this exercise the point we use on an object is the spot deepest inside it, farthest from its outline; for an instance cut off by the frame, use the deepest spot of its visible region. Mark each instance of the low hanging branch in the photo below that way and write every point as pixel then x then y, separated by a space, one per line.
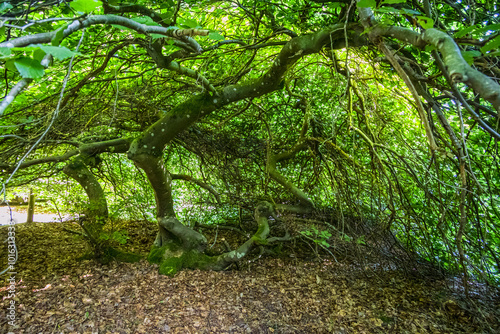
pixel 155 51
pixel 458 68
pixel 102 19
pixel 91 149
pixel 199 183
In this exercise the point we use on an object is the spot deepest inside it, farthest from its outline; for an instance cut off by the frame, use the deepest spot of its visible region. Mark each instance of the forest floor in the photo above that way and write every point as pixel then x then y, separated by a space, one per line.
pixel 56 292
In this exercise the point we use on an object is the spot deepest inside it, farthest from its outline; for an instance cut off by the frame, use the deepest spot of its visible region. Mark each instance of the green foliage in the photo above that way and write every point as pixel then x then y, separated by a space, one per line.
pixel 187 23
pixel 317 236
pixel 119 236
pixel 29 68
pixel 392 2
pixel 425 22
pixel 366 3
pixel 59 52
pixel 85 6
pixel 59 35
pixel 492 44
pixel 5 52
pixel 5 6
pixel 470 55
pixel 215 36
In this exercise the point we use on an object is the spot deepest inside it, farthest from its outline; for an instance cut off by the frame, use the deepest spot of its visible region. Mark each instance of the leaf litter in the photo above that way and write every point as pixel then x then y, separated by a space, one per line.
pixel 56 292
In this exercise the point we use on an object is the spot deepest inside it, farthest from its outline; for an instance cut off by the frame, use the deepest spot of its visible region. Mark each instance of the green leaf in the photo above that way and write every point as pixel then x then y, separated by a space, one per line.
pixel 465 31
pixel 409 11
pixel 85 6
pixel 187 23
pixel 4 52
pixel 145 20
pixel 388 10
pixel 493 44
pixel 56 40
pixel 425 22
pixel 38 54
pixel 5 6
pixel 104 236
pixel 59 52
pixel 10 65
pixel 334 5
pixel 491 27
pixel 166 17
pixel 167 4
pixel 391 2
pixel 117 26
pixel 429 48
pixel 216 36
pixel 29 68
pixel 493 54
pixel 470 55
pixel 367 3
pixel 156 36
pixel 28 48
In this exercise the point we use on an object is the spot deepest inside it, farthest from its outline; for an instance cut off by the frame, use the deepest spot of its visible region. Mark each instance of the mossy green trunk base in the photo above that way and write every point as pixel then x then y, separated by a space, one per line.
pixel 171 258
pixel 106 255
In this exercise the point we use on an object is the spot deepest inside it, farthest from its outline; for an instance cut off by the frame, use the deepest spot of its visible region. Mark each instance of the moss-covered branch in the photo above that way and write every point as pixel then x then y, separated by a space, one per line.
pixel 458 68
pixel 113 146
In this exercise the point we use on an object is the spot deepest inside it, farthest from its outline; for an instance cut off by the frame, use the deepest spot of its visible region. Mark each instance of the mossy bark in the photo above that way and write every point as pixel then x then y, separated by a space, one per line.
pixel 172 256
pixel 96 212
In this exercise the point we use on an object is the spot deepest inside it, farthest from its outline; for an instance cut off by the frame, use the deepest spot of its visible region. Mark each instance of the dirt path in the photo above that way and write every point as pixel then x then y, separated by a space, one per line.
pixel 19 215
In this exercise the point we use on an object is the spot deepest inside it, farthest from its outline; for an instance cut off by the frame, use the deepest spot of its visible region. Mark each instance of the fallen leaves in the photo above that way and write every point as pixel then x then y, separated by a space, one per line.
pixel 268 296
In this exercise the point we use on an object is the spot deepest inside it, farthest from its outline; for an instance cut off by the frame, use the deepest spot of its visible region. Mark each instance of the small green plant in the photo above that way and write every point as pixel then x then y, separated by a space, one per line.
pixel 345 237
pixel 361 240
pixel 317 236
pixel 119 236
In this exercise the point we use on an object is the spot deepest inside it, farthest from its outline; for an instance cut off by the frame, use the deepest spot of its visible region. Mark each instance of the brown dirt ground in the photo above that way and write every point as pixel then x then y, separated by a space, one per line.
pixel 56 293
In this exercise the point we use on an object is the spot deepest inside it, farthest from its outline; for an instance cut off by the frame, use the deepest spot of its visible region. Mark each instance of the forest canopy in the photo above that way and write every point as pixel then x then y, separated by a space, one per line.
pixel 383 116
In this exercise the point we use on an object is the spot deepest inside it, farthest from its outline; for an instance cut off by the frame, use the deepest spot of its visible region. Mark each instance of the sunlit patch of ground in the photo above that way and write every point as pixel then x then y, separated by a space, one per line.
pixel 19 215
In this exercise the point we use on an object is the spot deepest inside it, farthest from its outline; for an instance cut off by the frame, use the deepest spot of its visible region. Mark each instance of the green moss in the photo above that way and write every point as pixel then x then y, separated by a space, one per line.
pixel 197 260
pixel 123 256
pixel 278 250
pixel 86 256
pixel 171 266
pixel 156 254
pixel 172 258
pixel 259 241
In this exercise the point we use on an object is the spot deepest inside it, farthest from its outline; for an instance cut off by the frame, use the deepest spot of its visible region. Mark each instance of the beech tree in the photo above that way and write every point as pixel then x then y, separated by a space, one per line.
pixel 326 102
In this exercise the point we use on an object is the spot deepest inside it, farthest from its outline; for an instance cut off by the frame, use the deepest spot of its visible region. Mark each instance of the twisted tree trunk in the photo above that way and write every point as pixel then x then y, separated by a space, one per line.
pixel 96 211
